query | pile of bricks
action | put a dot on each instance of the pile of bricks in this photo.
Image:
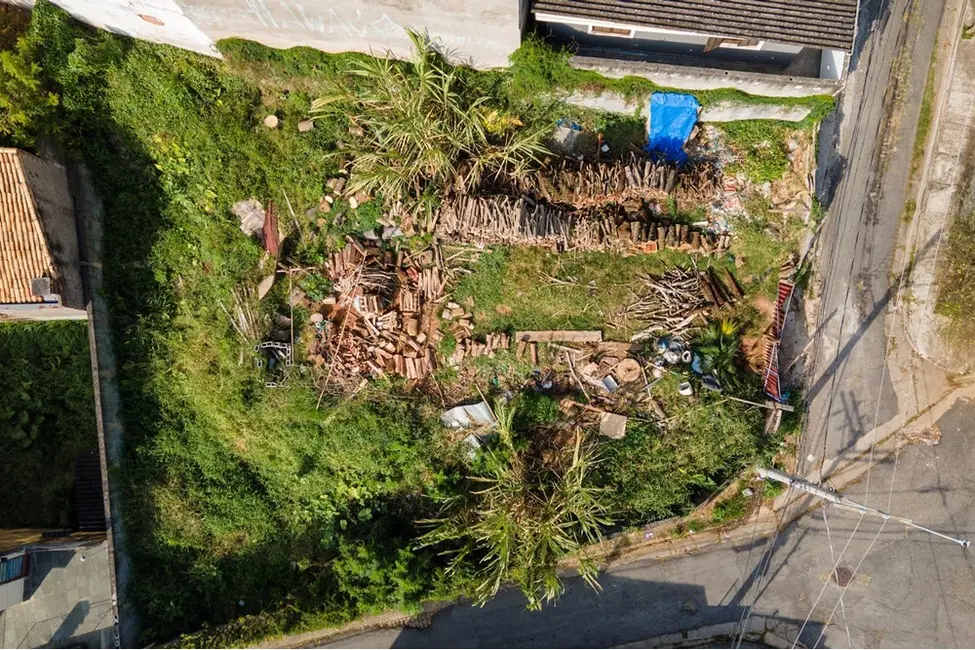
(381, 318)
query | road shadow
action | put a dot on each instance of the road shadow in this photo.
(625, 611)
(878, 310)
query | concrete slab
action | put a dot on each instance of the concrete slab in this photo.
(67, 601)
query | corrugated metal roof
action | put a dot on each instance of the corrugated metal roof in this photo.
(24, 253)
(814, 23)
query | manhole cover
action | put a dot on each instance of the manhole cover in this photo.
(843, 576)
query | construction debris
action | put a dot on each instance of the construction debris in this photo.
(251, 214)
(382, 317)
(471, 415)
(612, 425)
(674, 300)
(566, 336)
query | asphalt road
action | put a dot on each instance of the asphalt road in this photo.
(865, 159)
(912, 590)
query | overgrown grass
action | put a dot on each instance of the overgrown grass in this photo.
(658, 473)
(925, 117)
(47, 417)
(535, 289)
(762, 145)
(956, 298)
(248, 504)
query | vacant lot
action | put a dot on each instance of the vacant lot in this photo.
(298, 506)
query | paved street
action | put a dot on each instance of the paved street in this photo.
(864, 171)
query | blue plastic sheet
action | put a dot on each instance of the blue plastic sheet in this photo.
(672, 117)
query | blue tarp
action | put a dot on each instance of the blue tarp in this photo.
(672, 117)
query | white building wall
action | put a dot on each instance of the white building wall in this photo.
(833, 64)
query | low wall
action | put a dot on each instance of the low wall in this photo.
(729, 111)
(687, 78)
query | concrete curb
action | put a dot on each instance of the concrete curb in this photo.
(936, 198)
(766, 630)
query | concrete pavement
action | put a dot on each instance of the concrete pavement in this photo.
(865, 166)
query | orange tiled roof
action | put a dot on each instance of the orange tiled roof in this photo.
(24, 254)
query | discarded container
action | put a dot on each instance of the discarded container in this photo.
(470, 415)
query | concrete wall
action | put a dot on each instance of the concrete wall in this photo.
(833, 64)
(684, 78)
(483, 32)
(479, 32)
(48, 184)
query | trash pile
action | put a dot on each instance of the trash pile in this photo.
(381, 315)
(673, 301)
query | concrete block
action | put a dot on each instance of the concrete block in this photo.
(773, 640)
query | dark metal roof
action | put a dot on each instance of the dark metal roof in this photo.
(815, 23)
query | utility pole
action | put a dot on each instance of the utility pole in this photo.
(843, 502)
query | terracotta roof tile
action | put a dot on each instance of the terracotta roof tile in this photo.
(24, 252)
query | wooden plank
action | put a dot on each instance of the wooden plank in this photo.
(565, 336)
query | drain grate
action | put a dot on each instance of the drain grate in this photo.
(843, 576)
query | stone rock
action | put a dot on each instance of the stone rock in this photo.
(265, 285)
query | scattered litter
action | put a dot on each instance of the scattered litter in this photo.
(264, 286)
(628, 370)
(471, 415)
(612, 425)
(251, 214)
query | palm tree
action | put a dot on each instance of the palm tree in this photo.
(523, 519)
(718, 345)
(413, 126)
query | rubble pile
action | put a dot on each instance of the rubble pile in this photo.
(381, 317)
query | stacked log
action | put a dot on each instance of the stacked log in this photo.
(525, 222)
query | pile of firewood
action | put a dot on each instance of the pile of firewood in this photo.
(584, 183)
(674, 300)
(504, 220)
(381, 318)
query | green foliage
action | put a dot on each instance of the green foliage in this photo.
(956, 298)
(536, 289)
(536, 69)
(657, 473)
(47, 417)
(316, 286)
(761, 144)
(417, 127)
(25, 103)
(719, 346)
(730, 509)
(522, 518)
